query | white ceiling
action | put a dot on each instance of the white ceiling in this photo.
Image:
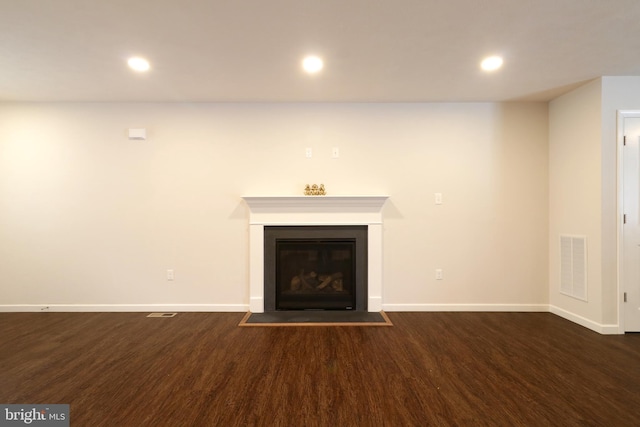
(250, 50)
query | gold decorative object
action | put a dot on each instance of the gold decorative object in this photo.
(314, 190)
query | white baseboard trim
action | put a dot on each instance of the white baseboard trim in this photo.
(589, 324)
(582, 321)
(467, 307)
(125, 308)
(603, 329)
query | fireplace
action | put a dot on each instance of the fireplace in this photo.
(315, 268)
(266, 212)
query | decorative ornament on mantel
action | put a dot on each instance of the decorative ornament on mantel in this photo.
(314, 190)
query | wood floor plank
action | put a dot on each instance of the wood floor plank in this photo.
(440, 369)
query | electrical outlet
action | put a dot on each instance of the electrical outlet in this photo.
(439, 274)
(170, 275)
(308, 152)
(438, 198)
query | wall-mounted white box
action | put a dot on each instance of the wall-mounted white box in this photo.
(138, 134)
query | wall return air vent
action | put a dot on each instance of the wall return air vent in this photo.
(573, 266)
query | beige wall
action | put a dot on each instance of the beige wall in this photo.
(92, 220)
(575, 193)
(583, 196)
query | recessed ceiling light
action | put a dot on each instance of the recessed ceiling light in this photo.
(312, 64)
(138, 64)
(491, 63)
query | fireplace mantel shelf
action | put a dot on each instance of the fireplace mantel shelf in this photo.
(270, 202)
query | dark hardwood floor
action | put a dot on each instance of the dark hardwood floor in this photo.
(201, 369)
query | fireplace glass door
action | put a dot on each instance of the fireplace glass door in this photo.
(315, 274)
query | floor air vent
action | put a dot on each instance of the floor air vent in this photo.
(573, 266)
(162, 314)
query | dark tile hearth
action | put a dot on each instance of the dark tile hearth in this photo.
(315, 316)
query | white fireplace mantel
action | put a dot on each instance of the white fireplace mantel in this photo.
(314, 210)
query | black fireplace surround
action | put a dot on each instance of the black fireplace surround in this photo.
(315, 268)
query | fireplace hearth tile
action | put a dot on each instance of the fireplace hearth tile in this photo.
(316, 318)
